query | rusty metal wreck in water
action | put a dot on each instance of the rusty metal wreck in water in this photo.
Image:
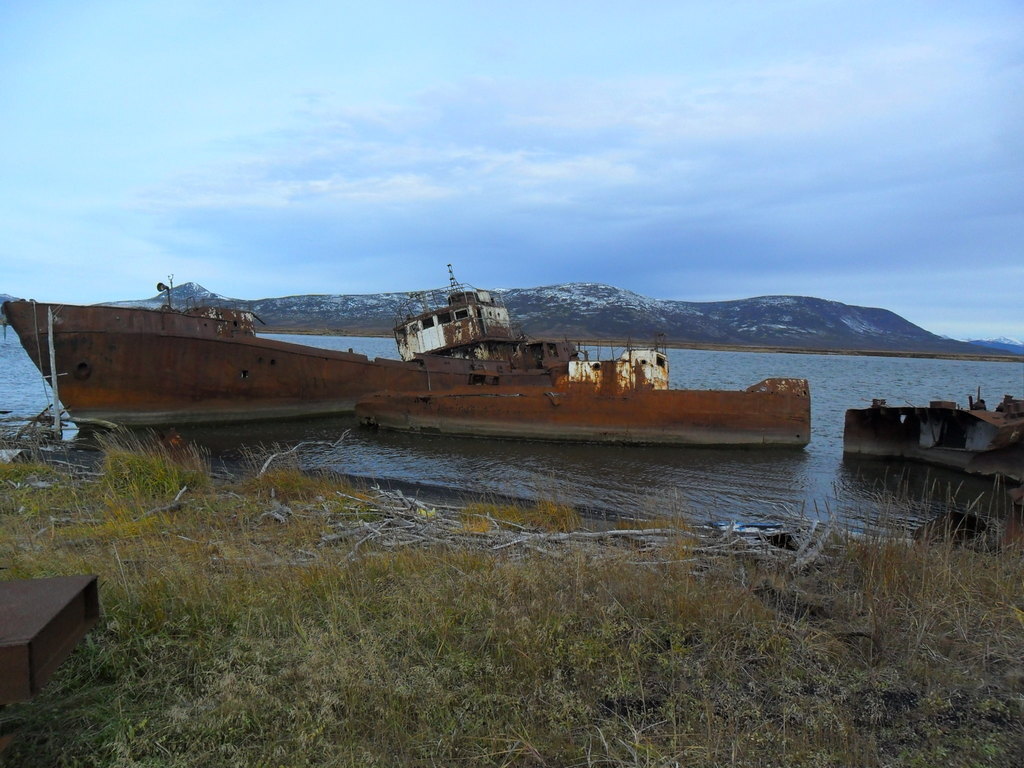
(465, 368)
(973, 439)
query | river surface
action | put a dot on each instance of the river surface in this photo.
(702, 484)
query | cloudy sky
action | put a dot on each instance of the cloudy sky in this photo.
(862, 151)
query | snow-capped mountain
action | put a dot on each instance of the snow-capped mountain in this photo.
(785, 321)
(357, 313)
(1003, 343)
(580, 311)
(597, 311)
(184, 295)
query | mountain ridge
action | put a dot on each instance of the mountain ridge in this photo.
(600, 311)
(587, 310)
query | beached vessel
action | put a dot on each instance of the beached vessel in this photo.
(972, 439)
(464, 368)
(624, 400)
(130, 366)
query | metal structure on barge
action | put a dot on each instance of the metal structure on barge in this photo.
(467, 323)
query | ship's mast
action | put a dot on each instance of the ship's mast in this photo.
(58, 431)
(168, 288)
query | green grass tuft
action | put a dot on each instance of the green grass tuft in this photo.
(142, 468)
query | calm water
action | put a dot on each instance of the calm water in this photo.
(704, 483)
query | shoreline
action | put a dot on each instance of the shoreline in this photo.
(379, 629)
(706, 346)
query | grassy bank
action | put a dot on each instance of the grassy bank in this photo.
(261, 622)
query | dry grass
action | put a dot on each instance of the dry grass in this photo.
(229, 638)
(544, 516)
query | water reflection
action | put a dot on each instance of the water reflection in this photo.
(700, 484)
(873, 492)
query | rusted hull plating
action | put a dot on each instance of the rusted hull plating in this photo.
(977, 442)
(147, 367)
(773, 412)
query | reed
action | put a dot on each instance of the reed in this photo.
(142, 467)
(230, 637)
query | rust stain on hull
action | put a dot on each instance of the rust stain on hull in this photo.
(774, 412)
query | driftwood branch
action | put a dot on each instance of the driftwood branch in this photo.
(399, 521)
(280, 454)
(172, 507)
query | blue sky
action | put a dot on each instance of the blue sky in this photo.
(866, 152)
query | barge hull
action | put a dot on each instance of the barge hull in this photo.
(775, 412)
(967, 441)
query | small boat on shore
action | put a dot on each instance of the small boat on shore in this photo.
(972, 439)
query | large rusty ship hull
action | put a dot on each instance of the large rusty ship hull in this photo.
(145, 367)
(775, 412)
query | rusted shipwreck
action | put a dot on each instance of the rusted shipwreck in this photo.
(172, 366)
(464, 368)
(625, 400)
(621, 400)
(972, 439)
(613, 409)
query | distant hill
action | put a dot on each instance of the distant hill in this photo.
(1003, 344)
(581, 311)
(360, 314)
(778, 321)
(184, 295)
